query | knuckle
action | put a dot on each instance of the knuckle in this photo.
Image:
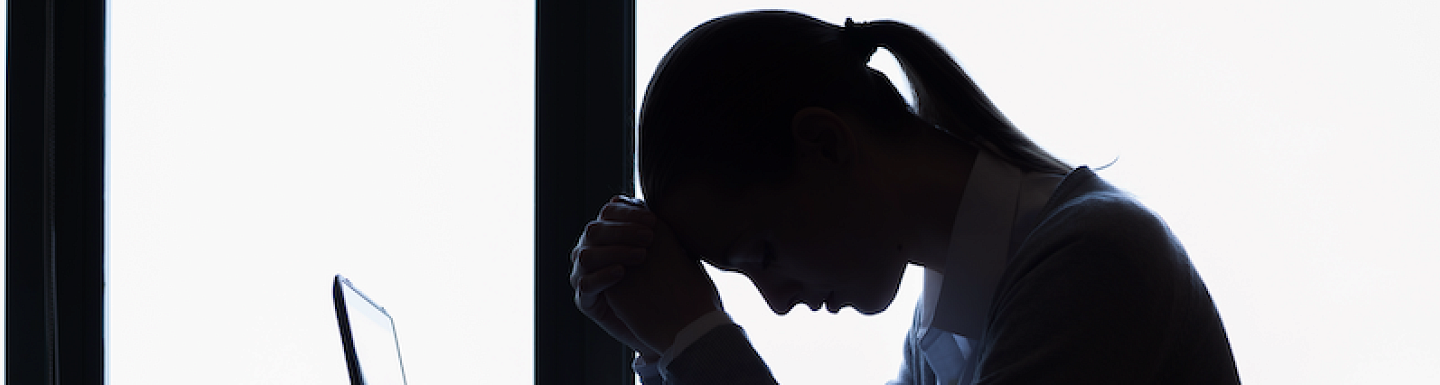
(625, 210)
(598, 258)
(580, 303)
(611, 209)
(580, 284)
(585, 256)
(587, 286)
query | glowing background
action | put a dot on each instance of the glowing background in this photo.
(258, 148)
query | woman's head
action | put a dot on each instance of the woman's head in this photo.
(721, 102)
(719, 149)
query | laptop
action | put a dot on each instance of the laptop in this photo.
(372, 349)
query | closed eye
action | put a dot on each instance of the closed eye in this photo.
(767, 255)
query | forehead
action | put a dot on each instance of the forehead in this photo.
(709, 221)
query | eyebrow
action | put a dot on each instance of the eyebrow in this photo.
(696, 256)
(724, 260)
(721, 261)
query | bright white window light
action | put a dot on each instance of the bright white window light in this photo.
(258, 148)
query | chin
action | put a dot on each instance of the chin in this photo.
(873, 308)
(870, 311)
(878, 304)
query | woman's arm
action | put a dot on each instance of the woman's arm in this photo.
(632, 277)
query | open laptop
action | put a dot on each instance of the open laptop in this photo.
(372, 349)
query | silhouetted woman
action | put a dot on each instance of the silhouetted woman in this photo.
(768, 147)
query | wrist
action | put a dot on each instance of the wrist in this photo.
(660, 337)
(692, 332)
(649, 357)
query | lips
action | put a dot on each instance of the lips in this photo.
(815, 305)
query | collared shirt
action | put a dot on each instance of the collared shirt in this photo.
(998, 209)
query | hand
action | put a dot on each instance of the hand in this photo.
(615, 240)
(664, 294)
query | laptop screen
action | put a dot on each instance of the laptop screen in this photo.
(372, 349)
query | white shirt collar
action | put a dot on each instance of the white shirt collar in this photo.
(998, 208)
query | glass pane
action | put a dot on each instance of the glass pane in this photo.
(1281, 144)
(259, 148)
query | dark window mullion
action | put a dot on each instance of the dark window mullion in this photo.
(584, 112)
(55, 185)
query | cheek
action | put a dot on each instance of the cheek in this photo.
(841, 260)
(836, 248)
(865, 281)
(850, 240)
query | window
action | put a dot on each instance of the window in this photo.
(1286, 143)
(257, 149)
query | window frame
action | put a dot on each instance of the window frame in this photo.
(584, 143)
(55, 192)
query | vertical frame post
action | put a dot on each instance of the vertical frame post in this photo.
(584, 135)
(55, 192)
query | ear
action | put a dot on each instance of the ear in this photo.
(822, 135)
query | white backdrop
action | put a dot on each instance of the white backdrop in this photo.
(1289, 144)
(260, 147)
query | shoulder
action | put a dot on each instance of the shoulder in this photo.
(1089, 219)
(1101, 253)
(1100, 289)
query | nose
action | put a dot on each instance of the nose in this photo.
(781, 295)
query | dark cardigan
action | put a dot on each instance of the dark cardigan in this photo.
(1099, 292)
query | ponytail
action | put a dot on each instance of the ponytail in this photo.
(946, 97)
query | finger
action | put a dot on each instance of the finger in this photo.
(622, 198)
(618, 200)
(627, 212)
(593, 260)
(602, 233)
(598, 257)
(590, 286)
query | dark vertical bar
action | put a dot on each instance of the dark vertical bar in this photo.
(55, 185)
(584, 112)
(27, 357)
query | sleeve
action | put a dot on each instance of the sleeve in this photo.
(648, 372)
(709, 345)
(1106, 296)
(722, 356)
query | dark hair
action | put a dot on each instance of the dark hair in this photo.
(721, 101)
